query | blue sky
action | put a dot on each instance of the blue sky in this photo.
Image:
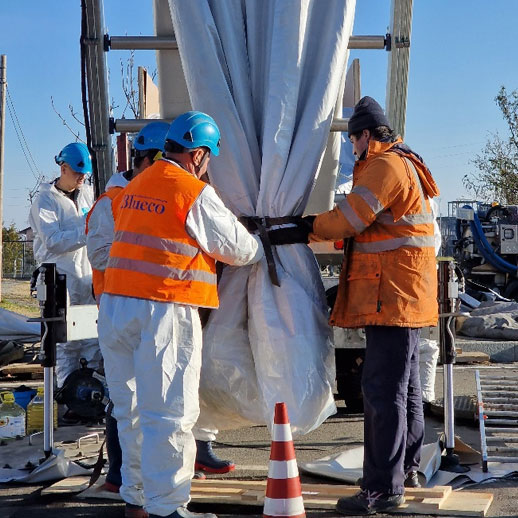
(461, 53)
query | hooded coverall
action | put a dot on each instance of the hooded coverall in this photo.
(388, 284)
(59, 237)
(151, 337)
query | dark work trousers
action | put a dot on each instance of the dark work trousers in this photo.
(393, 407)
(113, 448)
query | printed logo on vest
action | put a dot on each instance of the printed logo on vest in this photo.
(143, 203)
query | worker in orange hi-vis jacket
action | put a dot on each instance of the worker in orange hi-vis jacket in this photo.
(388, 284)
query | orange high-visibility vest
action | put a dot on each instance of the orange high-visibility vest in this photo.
(98, 275)
(152, 256)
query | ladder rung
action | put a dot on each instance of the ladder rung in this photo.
(501, 449)
(501, 459)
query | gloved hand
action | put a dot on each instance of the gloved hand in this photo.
(308, 220)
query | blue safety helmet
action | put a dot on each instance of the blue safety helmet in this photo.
(77, 156)
(151, 136)
(195, 129)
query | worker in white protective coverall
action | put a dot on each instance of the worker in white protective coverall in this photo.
(170, 228)
(148, 146)
(57, 217)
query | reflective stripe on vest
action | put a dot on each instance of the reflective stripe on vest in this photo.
(393, 244)
(162, 270)
(385, 218)
(158, 243)
(152, 256)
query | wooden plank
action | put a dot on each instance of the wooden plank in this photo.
(471, 357)
(32, 370)
(67, 485)
(440, 500)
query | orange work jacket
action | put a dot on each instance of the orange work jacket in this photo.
(152, 256)
(98, 275)
(389, 277)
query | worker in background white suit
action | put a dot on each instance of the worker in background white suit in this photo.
(57, 218)
(169, 229)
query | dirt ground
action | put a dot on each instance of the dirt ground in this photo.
(16, 297)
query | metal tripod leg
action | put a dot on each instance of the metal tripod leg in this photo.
(48, 411)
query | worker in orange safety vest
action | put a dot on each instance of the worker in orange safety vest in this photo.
(170, 228)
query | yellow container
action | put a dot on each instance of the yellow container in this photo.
(35, 413)
(12, 417)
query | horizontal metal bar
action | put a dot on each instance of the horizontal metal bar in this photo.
(164, 43)
(501, 449)
(502, 438)
(509, 385)
(500, 393)
(501, 459)
(484, 377)
(140, 43)
(500, 413)
(491, 420)
(497, 429)
(502, 406)
(367, 42)
(135, 125)
(339, 124)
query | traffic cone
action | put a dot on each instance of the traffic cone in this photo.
(283, 492)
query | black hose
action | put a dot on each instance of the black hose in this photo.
(95, 172)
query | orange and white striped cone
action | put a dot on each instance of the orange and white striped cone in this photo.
(283, 492)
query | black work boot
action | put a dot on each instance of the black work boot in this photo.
(367, 502)
(207, 460)
(412, 480)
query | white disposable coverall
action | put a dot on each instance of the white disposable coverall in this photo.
(100, 227)
(98, 243)
(152, 355)
(59, 237)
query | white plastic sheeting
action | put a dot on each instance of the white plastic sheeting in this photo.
(269, 73)
(14, 326)
(428, 356)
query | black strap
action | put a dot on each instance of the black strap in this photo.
(98, 466)
(282, 236)
(268, 252)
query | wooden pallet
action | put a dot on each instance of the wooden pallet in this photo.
(471, 357)
(22, 370)
(440, 500)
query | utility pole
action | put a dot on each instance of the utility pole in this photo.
(3, 87)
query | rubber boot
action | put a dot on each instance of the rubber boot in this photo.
(207, 460)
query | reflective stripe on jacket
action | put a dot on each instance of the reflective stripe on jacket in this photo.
(98, 275)
(389, 278)
(152, 255)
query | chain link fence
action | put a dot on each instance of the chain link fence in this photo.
(17, 259)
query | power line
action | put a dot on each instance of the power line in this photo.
(21, 136)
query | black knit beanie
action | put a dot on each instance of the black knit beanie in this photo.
(367, 114)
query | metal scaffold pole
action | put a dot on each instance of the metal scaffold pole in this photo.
(3, 88)
(95, 70)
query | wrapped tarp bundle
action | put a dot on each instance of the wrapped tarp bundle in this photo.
(270, 74)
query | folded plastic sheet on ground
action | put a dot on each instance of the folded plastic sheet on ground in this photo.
(55, 467)
(14, 326)
(348, 465)
(271, 82)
